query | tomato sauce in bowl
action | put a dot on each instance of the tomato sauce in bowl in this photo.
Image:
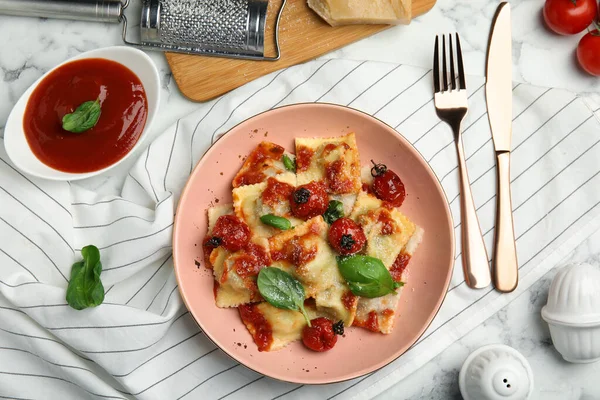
(124, 110)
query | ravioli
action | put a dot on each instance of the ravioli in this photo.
(390, 236)
(305, 253)
(215, 212)
(250, 202)
(263, 186)
(378, 314)
(335, 161)
(264, 161)
(274, 328)
(235, 273)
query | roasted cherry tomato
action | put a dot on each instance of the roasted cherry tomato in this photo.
(320, 335)
(230, 232)
(568, 17)
(387, 186)
(588, 52)
(346, 236)
(309, 200)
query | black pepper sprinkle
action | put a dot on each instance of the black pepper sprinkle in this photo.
(347, 242)
(301, 195)
(197, 263)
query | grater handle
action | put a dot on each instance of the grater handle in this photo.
(79, 10)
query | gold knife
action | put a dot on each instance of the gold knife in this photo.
(498, 93)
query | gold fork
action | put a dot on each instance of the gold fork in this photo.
(451, 107)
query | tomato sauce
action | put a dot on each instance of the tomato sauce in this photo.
(349, 300)
(253, 259)
(309, 200)
(276, 192)
(334, 177)
(399, 266)
(124, 110)
(303, 157)
(216, 286)
(263, 332)
(257, 162)
(371, 323)
(387, 223)
(297, 251)
(232, 232)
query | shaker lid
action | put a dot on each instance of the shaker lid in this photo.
(574, 296)
(496, 372)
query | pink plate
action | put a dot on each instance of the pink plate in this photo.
(361, 351)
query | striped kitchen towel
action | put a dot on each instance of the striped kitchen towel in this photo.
(142, 343)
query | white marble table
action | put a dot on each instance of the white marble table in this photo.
(29, 47)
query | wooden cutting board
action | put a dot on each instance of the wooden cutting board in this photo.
(303, 36)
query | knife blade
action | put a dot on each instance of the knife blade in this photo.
(498, 92)
(498, 87)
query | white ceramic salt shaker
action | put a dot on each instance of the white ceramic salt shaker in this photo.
(573, 313)
(495, 372)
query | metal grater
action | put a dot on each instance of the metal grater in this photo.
(225, 28)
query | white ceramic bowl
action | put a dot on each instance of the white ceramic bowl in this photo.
(15, 141)
(573, 313)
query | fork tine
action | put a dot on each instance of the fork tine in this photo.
(461, 70)
(452, 75)
(444, 69)
(436, 66)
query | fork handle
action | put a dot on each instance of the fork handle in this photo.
(474, 254)
(504, 265)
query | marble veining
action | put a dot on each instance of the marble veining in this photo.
(518, 325)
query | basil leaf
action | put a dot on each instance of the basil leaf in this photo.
(288, 163)
(275, 221)
(83, 118)
(282, 290)
(366, 276)
(85, 287)
(335, 211)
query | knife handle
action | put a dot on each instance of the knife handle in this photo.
(505, 267)
(474, 255)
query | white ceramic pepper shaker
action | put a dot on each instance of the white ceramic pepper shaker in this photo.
(573, 313)
(496, 372)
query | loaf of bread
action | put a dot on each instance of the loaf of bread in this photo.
(346, 12)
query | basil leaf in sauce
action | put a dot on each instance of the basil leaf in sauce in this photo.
(282, 290)
(85, 287)
(278, 222)
(335, 211)
(83, 118)
(288, 163)
(366, 276)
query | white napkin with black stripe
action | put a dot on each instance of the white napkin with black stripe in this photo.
(142, 343)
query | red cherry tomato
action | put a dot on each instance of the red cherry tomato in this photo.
(568, 17)
(388, 186)
(230, 232)
(346, 236)
(309, 200)
(588, 52)
(319, 336)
